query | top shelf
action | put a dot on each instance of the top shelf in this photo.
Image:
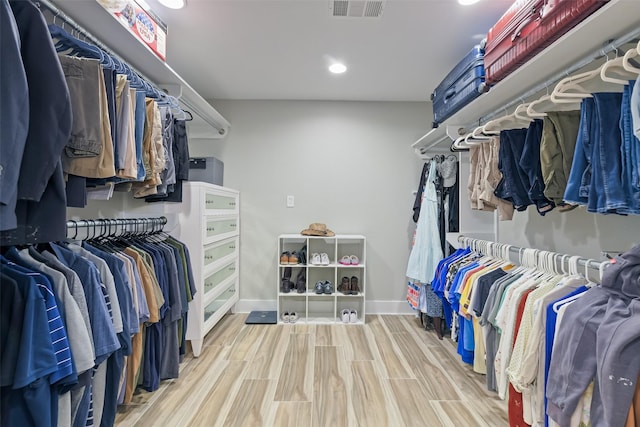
(612, 21)
(337, 236)
(207, 123)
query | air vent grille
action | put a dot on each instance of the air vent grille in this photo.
(356, 8)
(340, 8)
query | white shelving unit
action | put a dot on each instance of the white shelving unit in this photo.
(322, 308)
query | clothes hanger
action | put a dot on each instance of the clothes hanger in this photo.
(469, 140)
(455, 145)
(616, 65)
(520, 112)
(626, 62)
(70, 45)
(563, 90)
(531, 112)
(478, 135)
(510, 121)
(603, 267)
(581, 85)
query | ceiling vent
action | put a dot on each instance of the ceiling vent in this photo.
(356, 8)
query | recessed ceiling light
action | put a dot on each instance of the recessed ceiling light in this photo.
(337, 68)
(172, 4)
(467, 2)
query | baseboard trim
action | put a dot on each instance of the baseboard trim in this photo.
(373, 307)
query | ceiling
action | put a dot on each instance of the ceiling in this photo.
(280, 49)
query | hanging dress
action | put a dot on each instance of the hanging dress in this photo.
(426, 251)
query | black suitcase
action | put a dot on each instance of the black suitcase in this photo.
(461, 86)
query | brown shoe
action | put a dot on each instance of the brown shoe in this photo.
(344, 286)
(284, 258)
(354, 289)
(293, 258)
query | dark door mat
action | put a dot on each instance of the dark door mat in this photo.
(262, 318)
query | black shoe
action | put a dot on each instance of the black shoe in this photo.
(327, 287)
(287, 285)
(301, 281)
(302, 255)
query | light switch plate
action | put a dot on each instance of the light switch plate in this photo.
(290, 201)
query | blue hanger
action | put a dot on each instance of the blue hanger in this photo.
(75, 47)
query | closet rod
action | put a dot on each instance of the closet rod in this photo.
(610, 46)
(495, 248)
(68, 20)
(104, 224)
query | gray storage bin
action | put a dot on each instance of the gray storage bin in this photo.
(206, 169)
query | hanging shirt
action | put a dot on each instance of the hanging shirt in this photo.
(426, 251)
(77, 333)
(14, 105)
(65, 372)
(29, 351)
(41, 206)
(104, 336)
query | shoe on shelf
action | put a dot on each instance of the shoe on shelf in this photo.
(301, 281)
(284, 258)
(345, 315)
(293, 317)
(287, 284)
(345, 260)
(285, 317)
(353, 316)
(316, 259)
(327, 287)
(324, 259)
(354, 288)
(344, 286)
(319, 288)
(293, 258)
(302, 255)
(354, 260)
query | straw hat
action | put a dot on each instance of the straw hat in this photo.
(317, 229)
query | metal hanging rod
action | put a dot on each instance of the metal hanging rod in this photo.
(564, 261)
(102, 226)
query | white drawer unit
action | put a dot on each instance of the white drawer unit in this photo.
(209, 225)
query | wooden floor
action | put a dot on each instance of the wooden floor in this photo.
(389, 372)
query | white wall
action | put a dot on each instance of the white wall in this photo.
(575, 233)
(348, 164)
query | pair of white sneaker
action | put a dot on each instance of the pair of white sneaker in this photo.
(320, 258)
(349, 316)
(290, 317)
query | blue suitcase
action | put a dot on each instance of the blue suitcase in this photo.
(461, 86)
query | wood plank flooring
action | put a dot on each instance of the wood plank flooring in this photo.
(389, 372)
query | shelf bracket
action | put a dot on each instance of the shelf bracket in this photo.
(174, 90)
(455, 131)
